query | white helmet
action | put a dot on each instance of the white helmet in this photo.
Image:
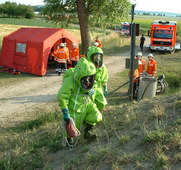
(62, 45)
(150, 55)
(139, 54)
(74, 44)
(95, 44)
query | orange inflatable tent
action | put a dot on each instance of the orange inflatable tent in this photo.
(28, 49)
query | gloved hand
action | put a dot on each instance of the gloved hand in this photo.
(66, 115)
(105, 91)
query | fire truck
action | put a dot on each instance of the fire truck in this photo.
(163, 36)
(125, 28)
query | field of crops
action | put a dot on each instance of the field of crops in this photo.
(145, 22)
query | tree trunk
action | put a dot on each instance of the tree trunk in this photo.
(83, 22)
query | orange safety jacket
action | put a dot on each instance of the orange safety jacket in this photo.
(100, 44)
(74, 54)
(135, 75)
(62, 56)
(141, 66)
(151, 68)
(55, 53)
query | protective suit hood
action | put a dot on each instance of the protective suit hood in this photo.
(92, 50)
(84, 68)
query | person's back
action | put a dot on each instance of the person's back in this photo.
(142, 41)
(62, 56)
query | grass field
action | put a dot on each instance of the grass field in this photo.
(145, 22)
(132, 135)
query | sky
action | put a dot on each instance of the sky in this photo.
(26, 2)
(172, 6)
(146, 5)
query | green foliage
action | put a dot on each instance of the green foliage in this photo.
(11, 9)
(100, 13)
(33, 22)
(60, 11)
(114, 43)
(123, 139)
(26, 146)
(103, 14)
(155, 136)
(169, 65)
(174, 80)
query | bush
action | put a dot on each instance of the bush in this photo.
(174, 80)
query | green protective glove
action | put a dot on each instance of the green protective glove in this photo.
(66, 115)
(105, 91)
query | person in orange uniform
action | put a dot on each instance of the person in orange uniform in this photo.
(69, 63)
(141, 64)
(152, 66)
(74, 54)
(99, 42)
(62, 58)
(135, 81)
(55, 52)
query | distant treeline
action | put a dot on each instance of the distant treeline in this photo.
(157, 14)
(12, 9)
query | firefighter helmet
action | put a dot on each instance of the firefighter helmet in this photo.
(150, 55)
(62, 45)
(139, 54)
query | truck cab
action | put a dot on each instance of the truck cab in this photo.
(163, 36)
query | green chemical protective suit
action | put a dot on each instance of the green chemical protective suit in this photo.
(101, 76)
(74, 98)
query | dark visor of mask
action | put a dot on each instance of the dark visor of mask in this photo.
(97, 59)
(87, 82)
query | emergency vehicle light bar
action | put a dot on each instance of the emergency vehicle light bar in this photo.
(165, 22)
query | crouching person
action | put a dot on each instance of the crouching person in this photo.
(76, 98)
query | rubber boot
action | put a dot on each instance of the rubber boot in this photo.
(70, 142)
(87, 133)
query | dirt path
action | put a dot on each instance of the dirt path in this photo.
(17, 101)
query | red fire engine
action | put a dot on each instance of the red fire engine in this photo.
(163, 36)
(125, 28)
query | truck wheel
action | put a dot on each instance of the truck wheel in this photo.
(152, 50)
(173, 51)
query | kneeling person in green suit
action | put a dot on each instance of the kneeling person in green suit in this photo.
(76, 97)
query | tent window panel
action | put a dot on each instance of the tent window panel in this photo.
(21, 48)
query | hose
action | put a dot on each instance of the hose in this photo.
(117, 88)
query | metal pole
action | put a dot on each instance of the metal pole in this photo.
(132, 55)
